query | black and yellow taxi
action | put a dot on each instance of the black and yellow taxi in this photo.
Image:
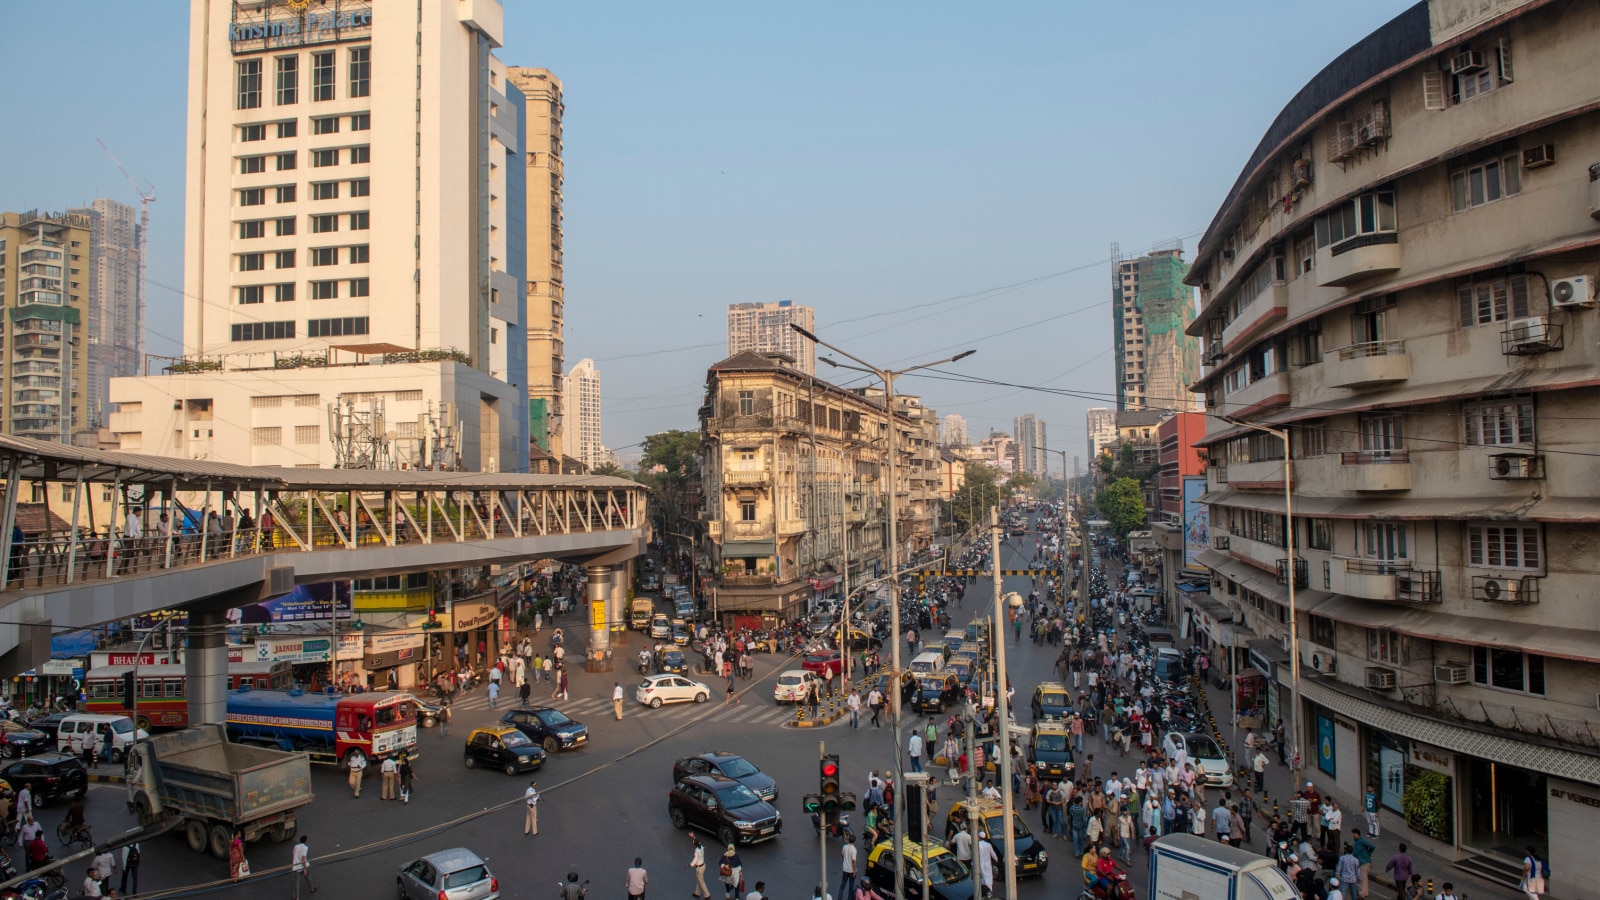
(1050, 750)
(502, 747)
(948, 877)
(935, 691)
(1031, 856)
(1051, 700)
(671, 661)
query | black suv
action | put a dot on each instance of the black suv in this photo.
(728, 765)
(48, 776)
(548, 727)
(723, 807)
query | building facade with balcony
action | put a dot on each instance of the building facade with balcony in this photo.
(46, 264)
(1403, 279)
(794, 473)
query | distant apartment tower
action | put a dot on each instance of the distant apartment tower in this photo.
(1102, 427)
(953, 430)
(764, 328)
(580, 434)
(1156, 360)
(115, 313)
(1031, 457)
(541, 129)
(44, 287)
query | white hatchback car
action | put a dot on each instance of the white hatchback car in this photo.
(793, 684)
(660, 627)
(668, 688)
(1203, 753)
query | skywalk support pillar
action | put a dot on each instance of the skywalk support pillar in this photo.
(617, 607)
(600, 590)
(206, 668)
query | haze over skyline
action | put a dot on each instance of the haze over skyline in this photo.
(927, 179)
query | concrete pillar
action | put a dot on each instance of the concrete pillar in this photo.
(617, 609)
(600, 585)
(206, 668)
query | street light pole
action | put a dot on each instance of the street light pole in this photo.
(1063, 591)
(887, 376)
(1002, 706)
(1296, 763)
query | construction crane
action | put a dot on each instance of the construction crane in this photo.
(146, 197)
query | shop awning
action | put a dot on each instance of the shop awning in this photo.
(1548, 640)
(1266, 654)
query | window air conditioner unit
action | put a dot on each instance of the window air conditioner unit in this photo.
(1538, 156)
(1452, 673)
(1566, 293)
(1380, 679)
(1525, 331)
(1470, 61)
(1514, 467)
(1325, 663)
(1302, 173)
(1498, 590)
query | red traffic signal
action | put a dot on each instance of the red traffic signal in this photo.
(829, 769)
(830, 777)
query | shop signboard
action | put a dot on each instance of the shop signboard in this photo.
(72, 668)
(1327, 755)
(470, 614)
(297, 650)
(350, 646)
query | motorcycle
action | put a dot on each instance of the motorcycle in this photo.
(1284, 851)
(1119, 889)
(838, 829)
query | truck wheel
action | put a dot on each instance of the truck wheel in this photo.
(194, 831)
(141, 809)
(221, 836)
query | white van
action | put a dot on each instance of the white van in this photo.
(78, 731)
(927, 663)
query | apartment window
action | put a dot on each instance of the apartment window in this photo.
(253, 229)
(1382, 432)
(266, 437)
(287, 161)
(283, 293)
(360, 187)
(747, 510)
(325, 190)
(1367, 214)
(322, 76)
(360, 71)
(358, 221)
(285, 226)
(1311, 440)
(360, 154)
(324, 256)
(1508, 670)
(321, 159)
(1319, 534)
(287, 193)
(324, 224)
(249, 92)
(248, 133)
(1385, 646)
(324, 290)
(312, 434)
(1485, 183)
(253, 293)
(251, 165)
(361, 122)
(1385, 540)
(747, 403)
(252, 262)
(359, 254)
(263, 331)
(1503, 546)
(1305, 255)
(1323, 630)
(336, 327)
(252, 197)
(1493, 300)
(359, 287)
(1499, 423)
(289, 129)
(325, 125)
(288, 80)
(1257, 525)
(284, 259)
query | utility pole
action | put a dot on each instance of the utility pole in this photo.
(1002, 710)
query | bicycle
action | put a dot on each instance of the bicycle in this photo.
(69, 834)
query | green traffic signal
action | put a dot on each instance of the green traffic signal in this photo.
(812, 803)
(847, 801)
(830, 803)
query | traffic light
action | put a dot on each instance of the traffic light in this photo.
(127, 690)
(830, 782)
(847, 801)
(812, 802)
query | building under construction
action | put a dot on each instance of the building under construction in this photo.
(1156, 360)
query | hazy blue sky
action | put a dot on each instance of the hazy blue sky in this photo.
(858, 157)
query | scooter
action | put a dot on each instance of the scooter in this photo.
(838, 829)
(1119, 889)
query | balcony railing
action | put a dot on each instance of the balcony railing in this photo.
(746, 476)
(1388, 580)
(1301, 572)
(1374, 457)
(1369, 363)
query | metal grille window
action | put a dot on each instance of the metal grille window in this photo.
(1385, 646)
(336, 327)
(262, 331)
(322, 76)
(1503, 546)
(360, 71)
(249, 88)
(1499, 423)
(311, 434)
(266, 437)
(288, 80)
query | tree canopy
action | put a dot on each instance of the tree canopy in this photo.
(1122, 503)
(677, 454)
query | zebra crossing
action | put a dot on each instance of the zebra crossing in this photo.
(754, 708)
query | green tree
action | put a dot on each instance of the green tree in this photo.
(980, 489)
(670, 459)
(612, 470)
(1122, 503)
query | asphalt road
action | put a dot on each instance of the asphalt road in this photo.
(602, 805)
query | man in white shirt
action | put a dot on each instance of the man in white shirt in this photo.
(847, 869)
(987, 860)
(530, 825)
(389, 770)
(914, 750)
(697, 863)
(358, 767)
(961, 844)
(616, 699)
(853, 702)
(300, 864)
(990, 792)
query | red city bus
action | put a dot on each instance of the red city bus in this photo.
(163, 693)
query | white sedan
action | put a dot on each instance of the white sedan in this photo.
(793, 684)
(668, 688)
(1201, 752)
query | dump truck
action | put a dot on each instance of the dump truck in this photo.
(216, 787)
(1184, 866)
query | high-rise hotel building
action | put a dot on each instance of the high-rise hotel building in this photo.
(354, 235)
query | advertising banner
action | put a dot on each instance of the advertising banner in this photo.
(297, 650)
(306, 603)
(1196, 521)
